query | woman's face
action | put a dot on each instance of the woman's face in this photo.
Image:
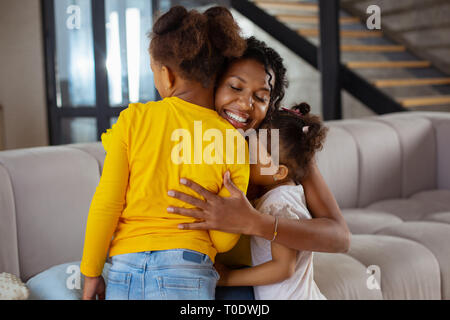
(243, 94)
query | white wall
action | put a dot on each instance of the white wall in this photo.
(22, 77)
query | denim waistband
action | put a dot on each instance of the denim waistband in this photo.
(163, 259)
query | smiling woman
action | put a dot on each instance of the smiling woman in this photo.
(252, 87)
(243, 94)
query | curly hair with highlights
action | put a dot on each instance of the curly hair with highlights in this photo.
(272, 61)
(301, 135)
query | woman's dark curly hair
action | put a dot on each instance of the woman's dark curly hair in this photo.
(301, 135)
(196, 45)
(272, 61)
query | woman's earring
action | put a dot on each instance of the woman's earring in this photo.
(275, 178)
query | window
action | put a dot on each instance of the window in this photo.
(97, 63)
(127, 60)
(75, 77)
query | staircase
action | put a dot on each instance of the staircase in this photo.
(406, 61)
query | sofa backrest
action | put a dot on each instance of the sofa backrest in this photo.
(385, 157)
(441, 126)
(45, 195)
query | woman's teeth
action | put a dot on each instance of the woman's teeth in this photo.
(236, 117)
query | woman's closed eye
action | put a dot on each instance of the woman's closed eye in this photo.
(261, 99)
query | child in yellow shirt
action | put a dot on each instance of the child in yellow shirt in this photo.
(151, 147)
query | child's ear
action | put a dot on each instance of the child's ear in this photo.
(168, 80)
(282, 173)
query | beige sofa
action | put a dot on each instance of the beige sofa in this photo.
(390, 175)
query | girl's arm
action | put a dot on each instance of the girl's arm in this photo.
(280, 268)
(327, 232)
(108, 201)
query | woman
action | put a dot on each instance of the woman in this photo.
(248, 92)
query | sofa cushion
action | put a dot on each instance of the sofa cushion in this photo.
(418, 151)
(435, 237)
(338, 163)
(341, 277)
(379, 153)
(408, 269)
(407, 209)
(61, 282)
(439, 217)
(435, 197)
(441, 124)
(363, 221)
(442, 129)
(94, 149)
(9, 254)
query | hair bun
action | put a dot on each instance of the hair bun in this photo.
(303, 108)
(196, 45)
(224, 32)
(170, 21)
(218, 11)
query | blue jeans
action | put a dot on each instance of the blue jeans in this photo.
(235, 293)
(177, 274)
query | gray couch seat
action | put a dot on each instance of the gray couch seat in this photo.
(397, 168)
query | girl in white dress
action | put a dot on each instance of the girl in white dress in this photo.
(278, 272)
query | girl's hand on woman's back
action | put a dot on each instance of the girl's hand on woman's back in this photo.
(234, 214)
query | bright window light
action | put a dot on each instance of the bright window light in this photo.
(133, 29)
(113, 60)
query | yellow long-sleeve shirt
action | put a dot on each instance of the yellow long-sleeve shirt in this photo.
(151, 147)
